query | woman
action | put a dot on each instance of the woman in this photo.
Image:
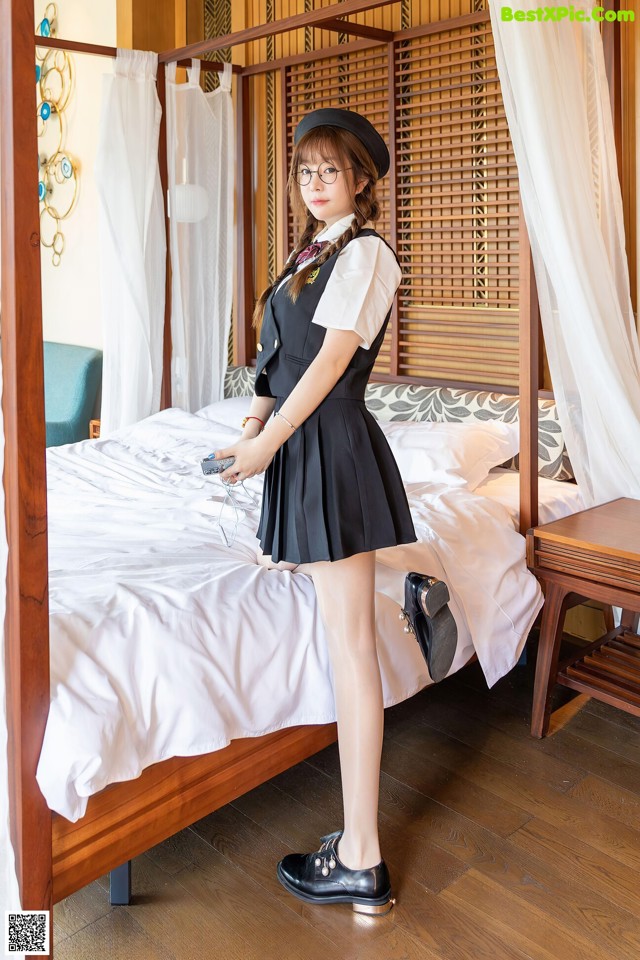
(332, 490)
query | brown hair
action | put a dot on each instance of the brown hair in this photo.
(343, 147)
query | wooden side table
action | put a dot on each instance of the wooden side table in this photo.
(592, 555)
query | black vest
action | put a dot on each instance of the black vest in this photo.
(289, 341)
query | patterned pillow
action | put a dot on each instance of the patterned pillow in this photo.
(239, 381)
(410, 401)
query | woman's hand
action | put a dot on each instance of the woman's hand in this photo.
(252, 456)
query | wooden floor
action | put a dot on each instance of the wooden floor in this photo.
(500, 848)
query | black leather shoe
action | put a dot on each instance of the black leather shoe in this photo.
(331, 836)
(431, 621)
(322, 878)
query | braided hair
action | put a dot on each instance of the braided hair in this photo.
(343, 147)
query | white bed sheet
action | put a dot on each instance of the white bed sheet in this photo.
(165, 642)
(556, 498)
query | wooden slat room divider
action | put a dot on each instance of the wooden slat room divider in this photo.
(457, 211)
(450, 202)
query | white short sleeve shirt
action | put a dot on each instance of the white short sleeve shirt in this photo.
(361, 287)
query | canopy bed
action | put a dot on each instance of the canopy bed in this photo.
(54, 856)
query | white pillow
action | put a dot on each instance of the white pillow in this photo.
(229, 412)
(457, 454)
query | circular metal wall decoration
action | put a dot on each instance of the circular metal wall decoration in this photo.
(58, 182)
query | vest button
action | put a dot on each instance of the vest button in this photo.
(275, 343)
(260, 347)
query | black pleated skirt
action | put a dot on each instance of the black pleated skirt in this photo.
(333, 489)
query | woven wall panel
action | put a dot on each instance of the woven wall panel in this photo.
(217, 23)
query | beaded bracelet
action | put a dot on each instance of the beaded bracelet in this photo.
(246, 420)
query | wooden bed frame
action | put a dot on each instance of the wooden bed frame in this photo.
(53, 856)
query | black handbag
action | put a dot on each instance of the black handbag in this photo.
(431, 621)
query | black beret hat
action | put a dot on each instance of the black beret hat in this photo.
(348, 120)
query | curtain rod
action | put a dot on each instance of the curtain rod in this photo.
(100, 51)
(313, 18)
(94, 48)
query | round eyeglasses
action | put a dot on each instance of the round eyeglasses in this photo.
(326, 172)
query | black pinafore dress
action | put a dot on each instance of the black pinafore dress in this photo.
(333, 489)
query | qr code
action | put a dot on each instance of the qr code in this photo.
(27, 932)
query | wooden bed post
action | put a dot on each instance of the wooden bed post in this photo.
(528, 412)
(243, 338)
(27, 615)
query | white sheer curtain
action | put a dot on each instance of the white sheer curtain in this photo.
(132, 241)
(556, 99)
(200, 148)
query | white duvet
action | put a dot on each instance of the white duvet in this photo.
(165, 642)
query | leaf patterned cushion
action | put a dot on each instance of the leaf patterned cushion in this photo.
(410, 401)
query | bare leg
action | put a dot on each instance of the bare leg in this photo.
(265, 561)
(345, 591)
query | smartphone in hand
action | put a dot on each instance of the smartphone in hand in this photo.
(211, 465)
